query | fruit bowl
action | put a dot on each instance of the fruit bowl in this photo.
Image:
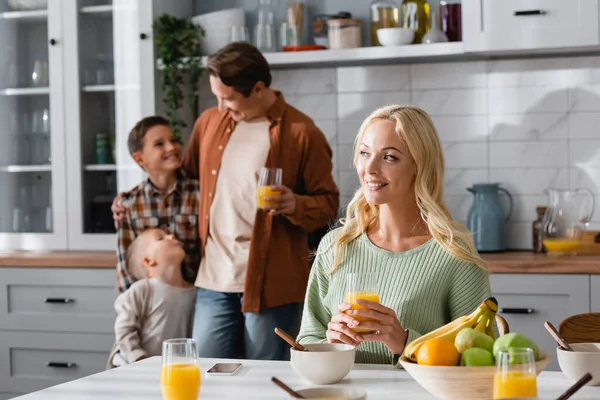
(460, 383)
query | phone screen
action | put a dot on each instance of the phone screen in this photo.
(224, 368)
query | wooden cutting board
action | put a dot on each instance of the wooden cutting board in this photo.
(587, 245)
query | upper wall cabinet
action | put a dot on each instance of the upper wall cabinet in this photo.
(513, 25)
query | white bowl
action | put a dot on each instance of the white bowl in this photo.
(324, 363)
(584, 358)
(395, 36)
(217, 28)
(333, 394)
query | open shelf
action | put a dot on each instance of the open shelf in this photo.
(33, 15)
(108, 167)
(364, 55)
(26, 168)
(35, 91)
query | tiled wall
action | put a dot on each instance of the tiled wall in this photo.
(527, 124)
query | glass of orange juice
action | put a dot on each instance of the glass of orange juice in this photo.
(180, 376)
(361, 286)
(515, 374)
(268, 177)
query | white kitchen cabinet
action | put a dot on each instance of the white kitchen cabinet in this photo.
(74, 80)
(32, 162)
(56, 325)
(512, 25)
(526, 301)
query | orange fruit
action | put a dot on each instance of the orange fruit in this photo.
(438, 351)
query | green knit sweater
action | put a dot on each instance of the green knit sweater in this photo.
(426, 286)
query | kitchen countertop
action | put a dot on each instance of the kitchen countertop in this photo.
(521, 262)
(142, 381)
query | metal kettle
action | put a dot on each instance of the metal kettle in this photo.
(486, 217)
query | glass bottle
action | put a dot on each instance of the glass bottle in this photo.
(415, 15)
(384, 14)
(538, 247)
(451, 12)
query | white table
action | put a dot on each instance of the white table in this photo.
(142, 381)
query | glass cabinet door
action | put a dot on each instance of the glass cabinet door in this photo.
(31, 166)
(107, 68)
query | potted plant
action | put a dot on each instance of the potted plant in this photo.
(178, 45)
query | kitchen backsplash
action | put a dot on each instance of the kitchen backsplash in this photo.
(527, 124)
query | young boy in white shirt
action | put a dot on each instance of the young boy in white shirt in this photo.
(159, 305)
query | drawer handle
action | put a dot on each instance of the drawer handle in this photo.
(59, 300)
(516, 310)
(525, 13)
(55, 364)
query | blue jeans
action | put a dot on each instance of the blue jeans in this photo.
(222, 330)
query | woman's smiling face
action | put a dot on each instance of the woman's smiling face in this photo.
(385, 167)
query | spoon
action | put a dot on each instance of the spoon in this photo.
(576, 386)
(288, 389)
(282, 334)
(559, 339)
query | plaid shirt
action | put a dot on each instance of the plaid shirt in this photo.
(176, 213)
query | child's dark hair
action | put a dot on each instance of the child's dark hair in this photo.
(135, 141)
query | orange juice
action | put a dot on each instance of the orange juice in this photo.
(180, 381)
(514, 384)
(352, 297)
(265, 191)
(561, 245)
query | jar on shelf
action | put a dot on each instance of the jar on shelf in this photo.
(384, 14)
(538, 247)
(319, 25)
(415, 15)
(344, 33)
(451, 11)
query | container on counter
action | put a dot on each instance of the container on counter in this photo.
(451, 11)
(319, 25)
(538, 246)
(384, 14)
(344, 33)
(415, 15)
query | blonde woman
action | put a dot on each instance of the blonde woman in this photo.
(397, 227)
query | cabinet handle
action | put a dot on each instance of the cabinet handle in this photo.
(529, 12)
(516, 310)
(143, 36)
(59, 300)
(52, 42)
(57, 364)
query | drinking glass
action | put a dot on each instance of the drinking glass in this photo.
(39, 75)
(180, 376)
(239, 34)
(515, 374)
(268, 178)
(264, 38)
(361, 286)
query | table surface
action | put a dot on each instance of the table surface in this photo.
(381, 382)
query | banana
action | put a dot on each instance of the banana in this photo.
(479, 319)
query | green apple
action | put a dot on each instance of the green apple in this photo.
(469, 338)
(476, 357)
(515, 340)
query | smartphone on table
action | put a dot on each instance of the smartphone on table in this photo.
(224, 369)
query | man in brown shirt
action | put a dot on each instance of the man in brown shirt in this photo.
(255, 262)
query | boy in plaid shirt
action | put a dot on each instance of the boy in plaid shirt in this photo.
(167, 200)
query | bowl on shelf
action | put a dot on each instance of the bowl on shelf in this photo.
(323, 363)
(584, 358)
(460, 383)
(22, 5)
(217, 28)
(395, 36)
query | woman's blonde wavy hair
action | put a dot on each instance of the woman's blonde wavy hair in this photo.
(416, 129)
